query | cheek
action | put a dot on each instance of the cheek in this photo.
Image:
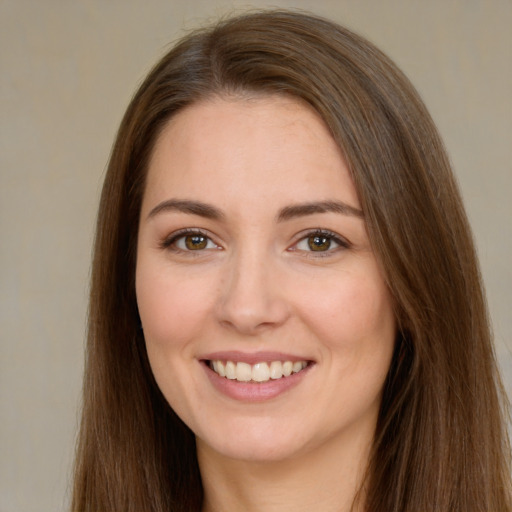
(353, 314)
(172, 305)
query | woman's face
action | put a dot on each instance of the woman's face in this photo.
(254, 261)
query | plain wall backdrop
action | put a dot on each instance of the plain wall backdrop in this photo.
(68, 70)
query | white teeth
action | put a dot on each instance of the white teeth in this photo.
(276, 370)
(230, 370)
(259, 372)
(297, 367)
(243, 372)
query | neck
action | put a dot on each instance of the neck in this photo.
(328, 478)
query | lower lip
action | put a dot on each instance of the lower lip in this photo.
(254, 391)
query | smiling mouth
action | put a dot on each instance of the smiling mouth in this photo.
(259, 372)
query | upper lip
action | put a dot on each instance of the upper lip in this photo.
(252, 358)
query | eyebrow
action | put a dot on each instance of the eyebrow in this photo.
(187, 206)
(287, 213)
(301, 210)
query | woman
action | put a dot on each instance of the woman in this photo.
(286, 309)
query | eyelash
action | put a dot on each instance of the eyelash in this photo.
(169, 242)
(332, 237)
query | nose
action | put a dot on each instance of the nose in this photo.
(252, 298)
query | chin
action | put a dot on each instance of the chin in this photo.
(269, 452)
(258, 444)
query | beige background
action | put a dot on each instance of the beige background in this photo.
(68, 69)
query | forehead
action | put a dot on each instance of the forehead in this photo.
(270, 148)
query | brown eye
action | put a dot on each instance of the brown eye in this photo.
(324, 243)
(188, 241)
(195, 242)
(319, 242)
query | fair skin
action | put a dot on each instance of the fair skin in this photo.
(274, 270)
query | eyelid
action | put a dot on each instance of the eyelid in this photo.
(342, 242)
(170, 240)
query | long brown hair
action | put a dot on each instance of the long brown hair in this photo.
(440, 442)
